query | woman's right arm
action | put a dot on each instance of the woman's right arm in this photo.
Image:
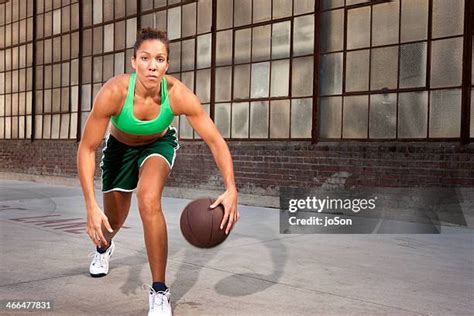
(105, 104)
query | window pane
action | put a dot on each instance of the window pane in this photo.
(188, 79)
(131, 31)
(332, 31)
(108, 10)
(383, 116)
(188, 55)
(86, 97)
(445, 113)
(280, 78)
(413, 65)
(55, 126)
(280, 119)
(302, 77)
(414, 23)
(262, 10)
(412, 114)
(74, 98)
(97, 11)
(261, 43)
(242, 44)
(131, 7)
(223, 83)
(204, 51)
(65, 18)
(385, 23)
(175, 54)
(304, 6)
(384, 68)
(146, 5)
(330, 110)
(75, 71)
(224, 48)
(224, 14)
(241, 82)
(301, 118)
(119, 65)
(446, 62)
(73, 128)
(64, 132)
(281, 40)
(303, 41)
(47, 101)
(75, 17)
(240, 120)
(222, 118)
(108, 38)
(259, 119)
(355, 117)
(448, 18)
(64, 100)
(39, 126)
(65, 75)
(260, 80)
(108, 67)
(203, 85)
(119, 8)
(120, 35)
(358, 28)
(282, 8)
(56, 50)
(97, 46)
(242, 12)
(331, 74)
(204, 16)
(66, 47)
(97, 69)
(56, 100)
(189, 20)
(160, 20)
(357, 70)
(185, 130)
(174, 23)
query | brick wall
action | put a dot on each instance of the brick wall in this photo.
(261, 168)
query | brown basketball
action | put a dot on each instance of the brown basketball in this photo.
(200, 225)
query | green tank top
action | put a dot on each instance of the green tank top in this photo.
(128, 123)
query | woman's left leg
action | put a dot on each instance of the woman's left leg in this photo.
(153, 175)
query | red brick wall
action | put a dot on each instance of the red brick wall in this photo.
(261, 168)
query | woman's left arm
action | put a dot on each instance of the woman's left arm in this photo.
(185, 102)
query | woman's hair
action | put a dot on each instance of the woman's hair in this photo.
(149, 33)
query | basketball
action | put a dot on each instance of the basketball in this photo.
(200, 225)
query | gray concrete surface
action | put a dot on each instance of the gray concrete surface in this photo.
(257, 271)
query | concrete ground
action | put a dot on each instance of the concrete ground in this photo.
(257, 271)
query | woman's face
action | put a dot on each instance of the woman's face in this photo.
(151, 62)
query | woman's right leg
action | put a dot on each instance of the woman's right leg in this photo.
(116, 207)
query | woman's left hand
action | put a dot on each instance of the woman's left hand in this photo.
(231, 215)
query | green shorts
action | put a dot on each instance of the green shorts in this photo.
(121, 163)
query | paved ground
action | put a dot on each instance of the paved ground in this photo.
(257, 271)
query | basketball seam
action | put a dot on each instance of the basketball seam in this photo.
(190, 228)
(212, 224)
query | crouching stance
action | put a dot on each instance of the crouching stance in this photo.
(139, 153)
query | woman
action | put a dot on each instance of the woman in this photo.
(139, 154)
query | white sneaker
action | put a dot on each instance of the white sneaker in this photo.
(159, 302)
(100, 262)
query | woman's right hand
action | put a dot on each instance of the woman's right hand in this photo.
(95, 219)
